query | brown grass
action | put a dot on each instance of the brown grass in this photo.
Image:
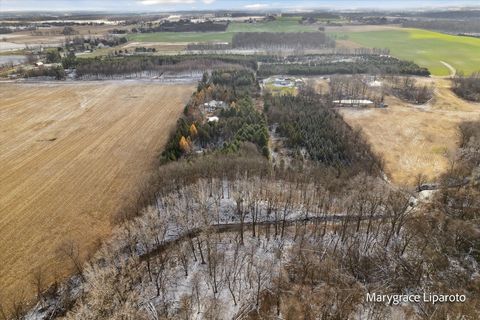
(415, 139)
(26, 37)
(72, 155)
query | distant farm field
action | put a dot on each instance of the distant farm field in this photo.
(279, 25)
(181, 37)
(426, 48)
(71, 156)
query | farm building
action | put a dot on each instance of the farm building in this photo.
(214, 105)
(212, 119)
(353, 103)
(283, 82)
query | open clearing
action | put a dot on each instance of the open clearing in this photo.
(427, 48)
(415, 139)
(71, 156)
(49, 37)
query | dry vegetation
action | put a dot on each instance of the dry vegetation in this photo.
(54, 34)
(415, 139)
(72, 155)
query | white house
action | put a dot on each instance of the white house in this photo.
(353, 103)
(214, 105)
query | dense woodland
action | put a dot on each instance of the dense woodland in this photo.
(240, 122)
(467, 87)
(281, 40)
(308, 122)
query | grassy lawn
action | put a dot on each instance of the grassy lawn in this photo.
(281, 90)
(426, 48)
(289, 24)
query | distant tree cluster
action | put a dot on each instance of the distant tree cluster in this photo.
(144, 49)
(351, 87)
(53, 56)
(68, 31)
(6, 30)
(406, 88)
(281, 40)
(55, 72)
(316, 15)
(118, 31)
(79, 43)
(467, 87)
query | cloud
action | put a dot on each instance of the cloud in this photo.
(154, 2)
(256, 6)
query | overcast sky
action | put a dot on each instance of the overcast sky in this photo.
(173, 5)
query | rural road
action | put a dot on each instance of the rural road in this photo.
(453, 72)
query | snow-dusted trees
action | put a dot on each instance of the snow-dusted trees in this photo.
(199, 251)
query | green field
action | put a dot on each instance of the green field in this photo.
(181, 37)
(280, 25)
(426, 48)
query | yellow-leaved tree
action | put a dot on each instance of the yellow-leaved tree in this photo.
(184, 145)
(193, 131)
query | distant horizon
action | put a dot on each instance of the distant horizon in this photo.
(132, 6)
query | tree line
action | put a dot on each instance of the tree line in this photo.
(371, 64)
(281, 40)
(185, 26)
(112, 66)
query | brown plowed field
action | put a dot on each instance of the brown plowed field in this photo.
(71, 155)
